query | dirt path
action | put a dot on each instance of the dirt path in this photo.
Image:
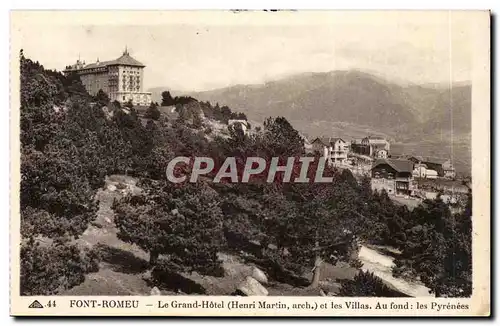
(381, 266)
(120, 272)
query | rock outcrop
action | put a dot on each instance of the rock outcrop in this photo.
(155, 291)
(251, 287)
(259, 275)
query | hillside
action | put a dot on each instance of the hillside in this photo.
(352, 97)
(123, 269)
(352, 104)
(99, 213)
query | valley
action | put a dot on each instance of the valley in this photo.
(354, 104)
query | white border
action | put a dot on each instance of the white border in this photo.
(125, 4)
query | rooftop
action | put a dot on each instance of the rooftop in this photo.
(322, 140)
(124, 60)
(398, 165)
(375, 138)
(327, 140)
(428, 159)
(335, 139)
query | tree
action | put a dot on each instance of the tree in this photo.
(101, 98)
(56, 198)
(184, 223)
(116, 104)
(129, 104)
(61, 169)
(57, 177)
(183, 114)
(281, 138)
(49, 269)
(366, 284)
(313, 224)
(153, 112)
(244, 221)
(197, 120)
(166, 99)
(438, 249)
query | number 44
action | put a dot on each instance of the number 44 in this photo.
(52, 303)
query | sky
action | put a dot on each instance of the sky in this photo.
(189, 52)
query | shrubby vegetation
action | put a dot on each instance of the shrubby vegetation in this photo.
(69, 144)
(438, 249)
(366, 284)
(58, 176)
(187, 106)
(183, 223)
(153, 112)
(46, 270)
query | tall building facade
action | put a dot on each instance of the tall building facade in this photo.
(122, 79)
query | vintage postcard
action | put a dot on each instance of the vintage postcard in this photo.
(250, 163)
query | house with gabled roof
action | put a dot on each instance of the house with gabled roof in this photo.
(334, 149)
(339, 151)
(373, 146)
(393, 176)
(319, 143)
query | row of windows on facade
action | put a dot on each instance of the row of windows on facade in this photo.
(111, 88)
(383, 175)
(129, 86)
(138, 78)
(111, 81)
(131, 74)
(131, 82)
(379, 175)
(124, 98)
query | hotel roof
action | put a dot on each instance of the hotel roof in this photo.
(124, 60)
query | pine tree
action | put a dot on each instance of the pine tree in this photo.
(101, 98)
(183, 223)
(438, 249)
(153, 112)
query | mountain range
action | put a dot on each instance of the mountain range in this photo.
(353, 103)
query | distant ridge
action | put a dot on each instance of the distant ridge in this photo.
(354, 103)
(313, 101)
(350, 96)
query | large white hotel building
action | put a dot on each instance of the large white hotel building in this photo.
(122, 79)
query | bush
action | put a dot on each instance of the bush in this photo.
(101, 98)
(49, 269)
(153, 112)
(116, 104)
(166, 274)
(366, 284)
(129, 104)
